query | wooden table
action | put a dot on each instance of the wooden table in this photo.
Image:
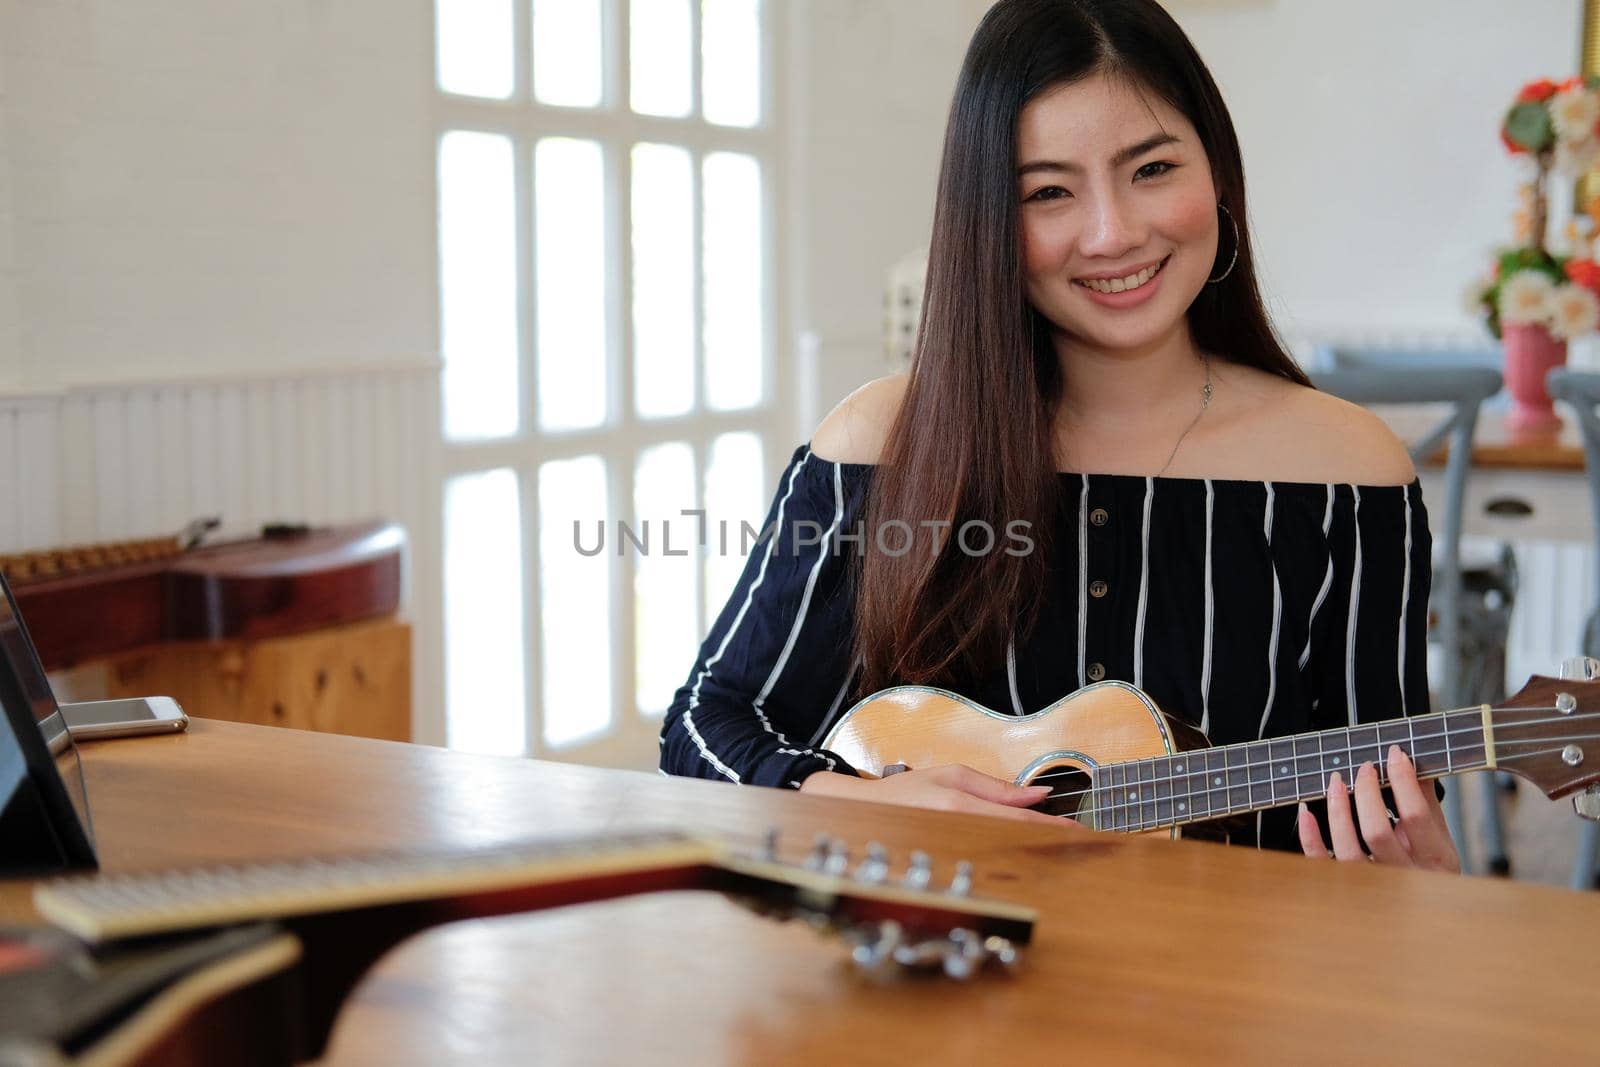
(1147, 950)
(1495, 447)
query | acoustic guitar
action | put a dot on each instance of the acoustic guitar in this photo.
(248, 965)
(1115, 761)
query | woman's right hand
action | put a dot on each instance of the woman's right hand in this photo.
(952, 787)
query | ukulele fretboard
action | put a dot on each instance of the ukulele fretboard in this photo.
(1234, 779)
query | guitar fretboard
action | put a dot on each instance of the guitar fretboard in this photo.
(106, 907)
(1235, 779)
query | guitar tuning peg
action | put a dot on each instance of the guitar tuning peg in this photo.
(769, 845)
(838, 861)
(820, 848)
(1002, 951)
(879, 946)
(920, 873)
(875, 868)
(964, 955)
(961, 884)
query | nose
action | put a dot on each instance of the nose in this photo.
(1111, 229)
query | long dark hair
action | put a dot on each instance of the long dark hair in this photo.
(973, 438)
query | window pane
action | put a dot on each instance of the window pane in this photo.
(567, 65)
(478, 284)
(664, 623)
(484, 696)
(575, 598)
(570, 217)
(475, 47)
(735, 497)
(730, 65)
(734, 257)
(660, 48)
(663, 280)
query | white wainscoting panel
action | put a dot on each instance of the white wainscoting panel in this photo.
(1556, 591)
(115, 462)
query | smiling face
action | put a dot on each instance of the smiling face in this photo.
(1118, 213)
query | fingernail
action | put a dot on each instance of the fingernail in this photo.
(1397, 755)
(1303, 809)
(1335, 782)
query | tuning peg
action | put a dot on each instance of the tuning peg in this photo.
(1580, 669)
(1002, 951)
(875, 868)
(964, 956)
(961, 884)
(874, 951)
(1587, 803)
(838, 861)
(769, 845)
(820, 847)
(920, 873)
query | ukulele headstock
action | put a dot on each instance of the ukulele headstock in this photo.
(1549, 732)
(907, 919)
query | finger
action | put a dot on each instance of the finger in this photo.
(1376, 829)
(985, 787)
(1341, 824)
(969, 803)
(1311, 842)
(1422, 828)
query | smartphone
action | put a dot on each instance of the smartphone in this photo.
(124, 718)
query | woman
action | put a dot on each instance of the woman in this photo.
(1097, 378)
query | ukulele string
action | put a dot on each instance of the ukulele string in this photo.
(1380, 764)
(1164, 823)
(1205, 792)
(1474, 729)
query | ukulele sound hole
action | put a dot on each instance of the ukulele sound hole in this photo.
(1069, 791)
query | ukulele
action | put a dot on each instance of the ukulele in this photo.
(1115, 761)
(249, 964)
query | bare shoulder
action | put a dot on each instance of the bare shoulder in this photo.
(855, 430)
(1279, 430)
(1341, 442)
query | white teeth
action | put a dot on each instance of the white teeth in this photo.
(1122, 285)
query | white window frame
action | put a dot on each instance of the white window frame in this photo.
(630, 739)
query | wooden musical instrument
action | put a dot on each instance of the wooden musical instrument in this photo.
(1115, 761)
(248, 965)
(96, 600)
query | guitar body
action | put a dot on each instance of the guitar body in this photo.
(1105, 723)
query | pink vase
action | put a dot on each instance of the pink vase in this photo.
(1530, 354)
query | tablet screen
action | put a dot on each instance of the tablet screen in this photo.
(30, 704)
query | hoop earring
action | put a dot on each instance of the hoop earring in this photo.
(1224, 209)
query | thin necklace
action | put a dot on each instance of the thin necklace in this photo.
(1205, 402)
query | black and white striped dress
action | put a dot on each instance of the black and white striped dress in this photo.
(1249, 609)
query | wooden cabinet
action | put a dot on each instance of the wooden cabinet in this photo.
(353, 679)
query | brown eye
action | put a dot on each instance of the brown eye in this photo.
(1042, 194)
(1155, 170)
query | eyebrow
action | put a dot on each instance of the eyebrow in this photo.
(1126, 155)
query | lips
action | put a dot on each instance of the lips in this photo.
(1127, 283)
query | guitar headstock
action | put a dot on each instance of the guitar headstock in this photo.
(905, 919)
(1549, 732)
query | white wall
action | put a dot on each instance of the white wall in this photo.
(876, 78)
(1370, 135)
(1376, 176)
(209, 186)
(10, 356)
(234, 199)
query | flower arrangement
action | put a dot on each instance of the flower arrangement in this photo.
(1556, 126)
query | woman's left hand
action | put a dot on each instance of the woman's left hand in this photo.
(1418, 838)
